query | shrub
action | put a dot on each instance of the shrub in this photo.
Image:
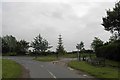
(110, 51)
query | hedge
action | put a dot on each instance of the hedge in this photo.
(110, 51)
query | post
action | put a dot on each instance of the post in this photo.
(78, 56)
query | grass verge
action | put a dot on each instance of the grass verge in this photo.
(11, 69)
(0, 68)
(46, 58)
(69, 56)
(98, 72)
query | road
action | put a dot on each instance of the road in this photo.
(39, 69)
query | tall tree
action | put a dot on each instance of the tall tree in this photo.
(112, 21)
(9, 43)
(60, 48)
(0, 45)
(96, 43)
(80, 46)
(40, 45)
(113, 38)
(22, 47)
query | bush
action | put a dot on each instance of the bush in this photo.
(110, 51)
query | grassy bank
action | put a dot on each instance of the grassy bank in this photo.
(98, 72)
(11, 69)
(46, 58)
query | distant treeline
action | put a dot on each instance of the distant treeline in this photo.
(11, 46)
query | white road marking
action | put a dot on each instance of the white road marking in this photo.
(70, 68)
(84, 75)
(51, 74)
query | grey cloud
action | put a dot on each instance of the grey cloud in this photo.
(27, 20)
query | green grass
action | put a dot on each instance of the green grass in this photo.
(98, 72)
(46, 58)
(11, 69)
(75, 55)
(0, 68)
(112, 63)
(69, 56)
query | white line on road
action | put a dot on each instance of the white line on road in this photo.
(70, 68)
(51, 74)
(84, 75)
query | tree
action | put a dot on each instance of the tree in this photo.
(60, 48)
(80, 47)
(0, 45)
(113, 38)
(112, 21)
(8, 44)
(22, 47)
(40, 45)
(96, 43)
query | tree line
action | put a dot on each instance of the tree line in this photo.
(11, 46)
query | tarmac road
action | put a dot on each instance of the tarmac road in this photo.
(39, 69)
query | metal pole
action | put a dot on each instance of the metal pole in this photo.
(78, 56)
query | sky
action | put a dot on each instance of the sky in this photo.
(75, 20)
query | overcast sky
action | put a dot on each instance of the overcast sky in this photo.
(75, 20)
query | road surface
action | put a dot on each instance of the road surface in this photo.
(39, 69)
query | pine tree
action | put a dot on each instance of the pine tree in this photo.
(60, 49)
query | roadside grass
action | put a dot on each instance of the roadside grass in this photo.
(98, 72)
(75, 55)
(112, 63)
(53, 57)
(69, 56)
(0, 68)
(46, 58)
(11, 69)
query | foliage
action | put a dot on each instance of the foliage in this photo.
(112, 21)
(110, 51)
(113, 38)
(80, 46)
(0, 45)
(98, 72)
(8, 44)
(40, 45)
(96, 43)
(10, 69)
(60, 49)
(22, 47)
